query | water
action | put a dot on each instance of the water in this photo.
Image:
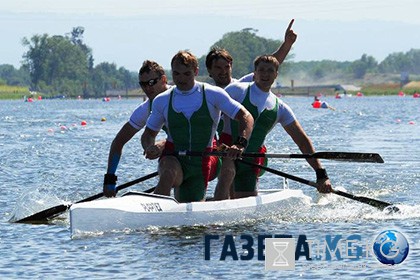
(47, 158)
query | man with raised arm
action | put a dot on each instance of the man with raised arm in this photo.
(219, 65)
(267, 110)
(219, 62)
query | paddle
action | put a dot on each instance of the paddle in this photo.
(372, 202)
(56, 210)
(343, 156)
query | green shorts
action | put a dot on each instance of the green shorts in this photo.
(197, 173)
(247, 176)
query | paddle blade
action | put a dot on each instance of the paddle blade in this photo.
(56, 210)
(45, 214)
(345, 156)
(382, 205)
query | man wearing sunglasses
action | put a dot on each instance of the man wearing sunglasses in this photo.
(190, 111)
(153, 81)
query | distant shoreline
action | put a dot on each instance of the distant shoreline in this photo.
(143, 97)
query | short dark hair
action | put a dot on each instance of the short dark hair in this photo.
(149, 66)
(186, 58)
(266, 58)
(217, 53)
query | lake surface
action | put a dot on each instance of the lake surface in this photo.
(47, 158)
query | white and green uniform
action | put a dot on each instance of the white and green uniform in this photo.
(191, 119)
(245, 79)
(267, 110)
(137, 120)
(139, 117)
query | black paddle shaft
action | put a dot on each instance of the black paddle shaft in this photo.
(340, 156)
(373, 202)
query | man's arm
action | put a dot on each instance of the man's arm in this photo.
(246, 122)
(299, 136)
(124, 135)
(110, 180)
(289, 39)
(151, 150)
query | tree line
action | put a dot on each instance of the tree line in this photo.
(64, 64)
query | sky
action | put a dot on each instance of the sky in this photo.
(126, 32)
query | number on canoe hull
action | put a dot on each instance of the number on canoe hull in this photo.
(151, 207)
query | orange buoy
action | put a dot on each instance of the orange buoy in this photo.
(316, 104)
(83, 123)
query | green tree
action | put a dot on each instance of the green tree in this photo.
(106, 76)
(14, 77)
(244, 46)
(129, 79)
(413, 57)
(365, 64)
(34, 58)
(77, 40)
(314, 71)
(401, 62)
(57, 63)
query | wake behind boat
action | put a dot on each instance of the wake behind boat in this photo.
(137, 210)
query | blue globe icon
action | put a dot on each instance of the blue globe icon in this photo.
(391, 247)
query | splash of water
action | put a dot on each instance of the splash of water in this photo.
(32, 202)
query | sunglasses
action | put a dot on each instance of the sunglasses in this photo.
(150, 82)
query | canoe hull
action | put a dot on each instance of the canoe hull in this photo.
(142, 210)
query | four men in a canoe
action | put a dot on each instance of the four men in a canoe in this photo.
(190, 113)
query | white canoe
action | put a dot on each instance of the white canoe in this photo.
(137, 210)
